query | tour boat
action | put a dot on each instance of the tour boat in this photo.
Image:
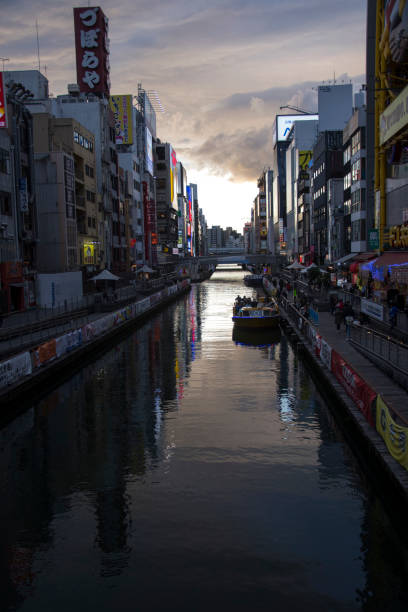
(253, 280)
(262, 316)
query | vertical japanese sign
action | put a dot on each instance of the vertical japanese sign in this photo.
(22, 189)
(3, 110)
(149, 152)
(92, 50)
(122, 109)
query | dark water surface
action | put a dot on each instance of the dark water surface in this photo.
(185, 471)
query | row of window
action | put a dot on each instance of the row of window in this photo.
(90, 196)
(319, 170)
(319, 192)
(84, 142)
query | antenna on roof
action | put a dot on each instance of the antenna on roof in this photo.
(38, 46)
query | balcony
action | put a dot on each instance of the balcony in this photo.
(80, 202)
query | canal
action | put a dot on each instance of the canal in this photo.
(185, 470)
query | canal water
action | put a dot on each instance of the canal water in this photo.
(187, 470)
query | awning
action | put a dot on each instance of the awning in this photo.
(345, 258)
(391, 259)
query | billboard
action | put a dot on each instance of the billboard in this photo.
(3, 111)
(284, 123)
(92, 50)
(149, 152)
(173, 178)
(305, 157)
(122, 110)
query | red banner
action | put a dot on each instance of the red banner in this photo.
(92, 50)
(3, 107)
(359, 391)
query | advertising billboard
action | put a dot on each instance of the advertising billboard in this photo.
(305, 157)
(284, 123)
(92, 50)
(149, 152)
(122, 110)
(3, 111)
(173, 178)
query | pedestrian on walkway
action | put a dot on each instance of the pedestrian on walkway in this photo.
(338, 314)
(333, 301)
(348, 314)
(393, 315)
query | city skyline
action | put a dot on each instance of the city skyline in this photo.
(221, 71)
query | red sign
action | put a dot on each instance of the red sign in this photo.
(3, 108)
(355, 386)
(92, 50)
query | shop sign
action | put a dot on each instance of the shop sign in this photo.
(123, 112)
(395, 117)
(3, 111)
(372, 309)
(373, 240)
(394, 436)
(92, 50)
(89, 252)
(396, 236)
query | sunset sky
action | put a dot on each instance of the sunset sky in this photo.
(221, 68)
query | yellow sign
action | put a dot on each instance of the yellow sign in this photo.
(395, 117)
(304, 159)
(122, 109)
(89, 252)
(395, 436)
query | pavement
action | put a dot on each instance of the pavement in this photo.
(394, 395)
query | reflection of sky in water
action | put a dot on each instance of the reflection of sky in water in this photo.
(184, 470)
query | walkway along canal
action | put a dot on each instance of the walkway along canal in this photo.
(186, 470)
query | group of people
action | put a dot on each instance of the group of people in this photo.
(343, 312)
(243, 301)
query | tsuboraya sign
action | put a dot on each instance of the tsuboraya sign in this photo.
(92, 50)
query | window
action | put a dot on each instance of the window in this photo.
(136, 185)
(5, 203)
(355, 143)
(346, 155)
(89, 171)
(161, 183)
(76, 136)
(161, 153)
(90, 196)
(347, 181)
(4, 161)
(347, 207)
(161, 166)
(356, 171)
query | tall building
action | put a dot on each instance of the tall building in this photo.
(165, 162)
(18, 205)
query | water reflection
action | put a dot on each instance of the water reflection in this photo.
(182, 466)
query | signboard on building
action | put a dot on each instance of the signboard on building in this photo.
(284, 123)
(149, 152)
(395, 117)
(92, 50)
(23, 194)
(89, 252)
(122, 110)
(396, 237)
(305, 157)
(373, 240)
(3, 107)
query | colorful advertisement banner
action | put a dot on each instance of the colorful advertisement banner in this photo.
(89, 252)
(122, 109)
(3, 110)
(359, 391)
(394, 436)
(92, 50)
(15, 368)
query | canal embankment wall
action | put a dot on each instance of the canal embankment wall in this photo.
(376, 430)
(41, 367)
